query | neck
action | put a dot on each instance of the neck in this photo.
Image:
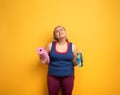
(62, 41)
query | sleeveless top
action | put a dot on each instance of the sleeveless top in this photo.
(61, 63)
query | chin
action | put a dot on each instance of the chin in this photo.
(62, 36)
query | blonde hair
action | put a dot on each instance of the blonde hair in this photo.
(54, 38)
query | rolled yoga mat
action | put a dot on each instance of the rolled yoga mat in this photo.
(43, 53)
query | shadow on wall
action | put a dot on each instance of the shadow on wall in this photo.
(39, 72)
(42, 70)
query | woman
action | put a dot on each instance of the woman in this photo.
(62, 55)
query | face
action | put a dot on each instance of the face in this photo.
(60, 33)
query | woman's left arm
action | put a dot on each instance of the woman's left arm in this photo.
(74, 50)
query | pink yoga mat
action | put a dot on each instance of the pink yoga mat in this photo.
(43, 53)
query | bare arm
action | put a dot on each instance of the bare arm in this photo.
(74, 50)
(48, 48)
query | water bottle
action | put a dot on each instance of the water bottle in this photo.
(79, 59)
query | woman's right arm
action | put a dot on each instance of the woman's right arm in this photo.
(48, 49)
(75, 50)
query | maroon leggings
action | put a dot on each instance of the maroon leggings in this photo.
(54, 84)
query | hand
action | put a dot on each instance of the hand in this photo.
(75, 62)
(42, 59)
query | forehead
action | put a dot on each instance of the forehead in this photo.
(58, 28)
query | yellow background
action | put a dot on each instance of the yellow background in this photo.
(92, 25)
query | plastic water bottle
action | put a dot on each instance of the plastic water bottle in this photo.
(79, 59)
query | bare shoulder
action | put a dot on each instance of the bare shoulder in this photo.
(74, 48)
(73, 45)
(48, 47)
